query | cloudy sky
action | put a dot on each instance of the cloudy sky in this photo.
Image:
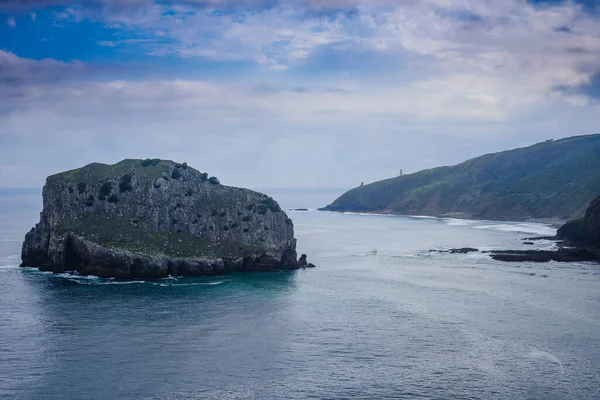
(290, 94)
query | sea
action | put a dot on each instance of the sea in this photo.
(380, 317)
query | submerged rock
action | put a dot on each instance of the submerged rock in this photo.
(154, 218)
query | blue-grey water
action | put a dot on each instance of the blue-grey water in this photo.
(380, 317)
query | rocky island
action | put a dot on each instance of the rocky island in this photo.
(155, 218)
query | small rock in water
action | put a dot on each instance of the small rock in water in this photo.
(302, 261)
(463, 250)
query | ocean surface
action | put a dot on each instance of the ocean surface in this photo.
(380, 317)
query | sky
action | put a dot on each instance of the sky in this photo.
(290, 93)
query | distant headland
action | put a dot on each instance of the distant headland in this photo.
(555, 179)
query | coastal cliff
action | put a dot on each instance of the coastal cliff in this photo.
(155, 218)
(584, 231)
(555, 179)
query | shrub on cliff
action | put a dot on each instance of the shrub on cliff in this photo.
(176, 174)
(213, 180)
(105, 190)
(90, 201)
(262, 209)
(113, 198)
(271, 204)
(125, 184)
(150, 162)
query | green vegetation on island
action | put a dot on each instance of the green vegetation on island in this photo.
(153, 218)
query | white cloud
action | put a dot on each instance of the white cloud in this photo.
(482, 82)
(10, 21)
(509, 41)
(456, 97)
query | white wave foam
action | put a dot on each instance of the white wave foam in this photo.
(34, 270)
(10, 260)
(199, 284)
(188, 284)
(543, 355)
(78, 277)
(458, 222)
(104, 282)
(96, 280)
(536, 229)
(357, 213)
(407, 255)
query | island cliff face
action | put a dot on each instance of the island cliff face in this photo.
(584, 231)
(155, 218)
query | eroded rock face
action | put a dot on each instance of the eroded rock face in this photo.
(155, 218)
(584, 231)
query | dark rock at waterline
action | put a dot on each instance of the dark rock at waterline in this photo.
(528, 243)
(302, 261)
(154, 218)
(584, 231)
(462, 250)
(563, 255)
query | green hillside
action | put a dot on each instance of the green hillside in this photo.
(552, 179)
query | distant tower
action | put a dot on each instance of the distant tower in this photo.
(401, 172)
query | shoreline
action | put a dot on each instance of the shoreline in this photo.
(553, 222)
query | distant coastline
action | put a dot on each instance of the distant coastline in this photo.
(554, 222)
